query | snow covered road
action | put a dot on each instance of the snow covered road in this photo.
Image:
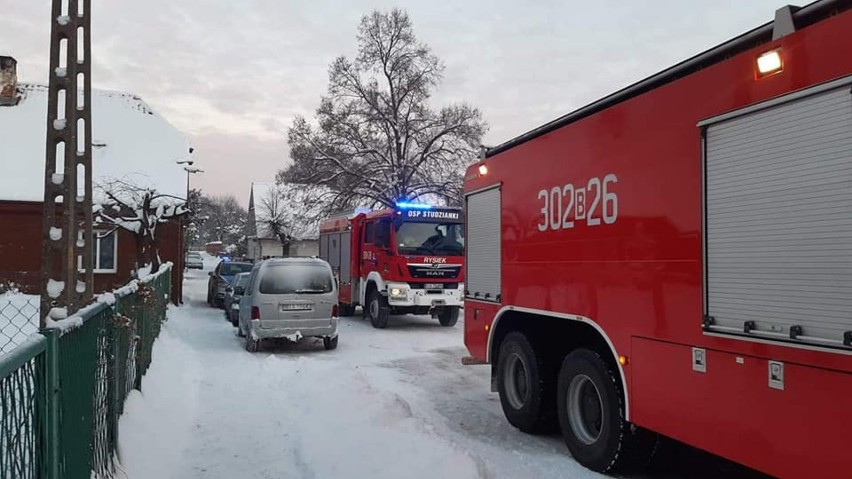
(392, 403)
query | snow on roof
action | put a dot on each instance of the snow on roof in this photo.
(130, 142)
(300, 209)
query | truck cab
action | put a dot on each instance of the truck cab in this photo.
(407, 259)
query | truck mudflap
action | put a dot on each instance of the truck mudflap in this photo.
(471, 361)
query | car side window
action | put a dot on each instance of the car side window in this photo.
(252, 281)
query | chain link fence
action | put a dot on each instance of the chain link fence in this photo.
(62, 391)
(19, 317)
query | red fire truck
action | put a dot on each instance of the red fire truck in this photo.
(407, 259)
(676, 258)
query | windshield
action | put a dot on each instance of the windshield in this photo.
(446, 239)
(230, 269)
(296, 279)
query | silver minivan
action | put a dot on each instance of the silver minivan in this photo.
(289, 298)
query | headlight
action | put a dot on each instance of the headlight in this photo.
(398, 292)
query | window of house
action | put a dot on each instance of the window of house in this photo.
(368, 233)
(106, 253)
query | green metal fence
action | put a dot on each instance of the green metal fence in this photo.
(63, 391)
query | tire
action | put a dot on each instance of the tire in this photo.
(449, 316)
(209, 298)
(330, 343)
(590, 406)
(378, 310)
(234, 320)
(526, 386)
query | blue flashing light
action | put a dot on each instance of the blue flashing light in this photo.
(413, 206)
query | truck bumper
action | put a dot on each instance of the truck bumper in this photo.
(423, 298)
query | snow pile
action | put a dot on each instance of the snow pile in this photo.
(64, 325)
(55, 288)
(158, 422)
(130, 142)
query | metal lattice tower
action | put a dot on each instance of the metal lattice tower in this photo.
(67, 243)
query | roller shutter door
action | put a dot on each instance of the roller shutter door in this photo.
(778, 220)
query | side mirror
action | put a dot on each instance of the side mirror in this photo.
(210, 273)
(239, 290)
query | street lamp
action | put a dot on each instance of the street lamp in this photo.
(190, 170)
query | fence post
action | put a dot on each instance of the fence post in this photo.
(51, 360)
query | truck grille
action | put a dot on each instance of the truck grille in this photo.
(434, 270)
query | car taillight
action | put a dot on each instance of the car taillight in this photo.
(334, 311)
(255, 312)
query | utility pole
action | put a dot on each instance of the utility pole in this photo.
(68, 243)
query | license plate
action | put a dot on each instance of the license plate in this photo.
(433, 286)
(294, 307)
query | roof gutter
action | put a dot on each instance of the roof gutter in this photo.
(800, 17)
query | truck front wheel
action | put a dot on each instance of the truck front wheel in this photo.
(591, 412)
(378, 310)
(449, 316)
(526, 387)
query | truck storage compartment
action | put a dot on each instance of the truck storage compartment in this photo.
(483, 245)
(778, 218)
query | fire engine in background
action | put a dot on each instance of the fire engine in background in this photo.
(407, 259)
(676, 258)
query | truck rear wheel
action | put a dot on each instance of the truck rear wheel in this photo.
(449, 316)
(527, 392)
(591, 412)
(378, 310)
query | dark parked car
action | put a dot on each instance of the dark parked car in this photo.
(221, 277)
(233, 293)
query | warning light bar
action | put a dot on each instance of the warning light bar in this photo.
(405, 205)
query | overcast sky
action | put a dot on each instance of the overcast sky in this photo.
(232, 74)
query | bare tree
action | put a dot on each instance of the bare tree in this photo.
(376, 139)
(123, 205)
(220, 218)
(290, 212)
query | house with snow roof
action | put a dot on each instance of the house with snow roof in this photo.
(131, 143)
(283, 220)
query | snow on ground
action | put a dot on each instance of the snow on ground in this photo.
(386, 404)
(392, 403)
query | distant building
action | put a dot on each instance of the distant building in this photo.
(214, 247)
(130, 143)
(280, 204)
